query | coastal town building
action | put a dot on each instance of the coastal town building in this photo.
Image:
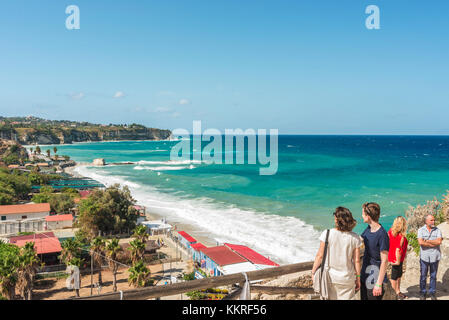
(186, 239)
(259, 261)
(195, 251)
(62, 221)
(47, 245)
(156, 227)
(24, 211)
(215, 259)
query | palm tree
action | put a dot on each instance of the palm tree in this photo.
(38, 150)
(28, 264)
(137, 248)
(112, 249)
(48, 152)
(70, 249)
(139, 275)
(97, 248)
(70, 255)
(76, 262)
(140, 232)
(55, 150)
(8, 273)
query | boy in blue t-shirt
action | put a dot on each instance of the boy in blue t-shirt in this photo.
(375, 257)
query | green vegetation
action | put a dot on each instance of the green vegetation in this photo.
(97, 251)
(109, 211)
(18, 268)
(413, 242)
(207, 294)
(30, 129)
(188, 276)
(113, 248)
(139, 275)
(12, 153)
(13, 186)
(59, 202)
(416, 218)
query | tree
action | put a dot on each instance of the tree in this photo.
(7, 194)
(61, 203)
(137, 248)
(71, 255)
(48, 152)
(107, 211)
(38, 150)
(97, 248)
(140, 232)
(113, 248)
(27, 269)
(55, 150)
(18, 182)
(70, 249)
(44, 195)
(139, 275)
(35, 179)
(8, 269)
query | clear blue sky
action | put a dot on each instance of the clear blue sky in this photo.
(299, 66)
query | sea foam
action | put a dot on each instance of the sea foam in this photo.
(283, 239)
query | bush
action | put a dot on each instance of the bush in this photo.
(189, 276)
(412, 239)
(416, 215)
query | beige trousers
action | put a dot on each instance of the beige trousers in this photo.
(341, 291)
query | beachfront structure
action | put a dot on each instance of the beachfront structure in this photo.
(195, 251)
(258, 260)
(46, 244)
(156, 227)
(185, 239)
(24, 211)
(74, 183)
(59, 221)
(142, 214)
(217, 260)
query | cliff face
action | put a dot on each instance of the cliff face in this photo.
(28, 136)
(11, 152)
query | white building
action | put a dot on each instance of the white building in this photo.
(24, 211)
(56, 222)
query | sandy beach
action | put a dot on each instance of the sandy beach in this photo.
(200, 235)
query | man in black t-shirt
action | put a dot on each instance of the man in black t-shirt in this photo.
(375, 258)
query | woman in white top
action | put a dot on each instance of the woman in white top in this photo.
(343, 256)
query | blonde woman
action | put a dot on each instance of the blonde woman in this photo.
(397, 253)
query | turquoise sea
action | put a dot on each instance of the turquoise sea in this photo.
(280, 215)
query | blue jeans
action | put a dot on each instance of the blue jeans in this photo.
(425, 268)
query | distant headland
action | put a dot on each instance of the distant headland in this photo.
(32, 130)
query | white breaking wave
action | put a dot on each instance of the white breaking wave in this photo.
(169, 162)
(162, 168)
(283, 239)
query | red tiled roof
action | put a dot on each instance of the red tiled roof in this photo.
(198, 246)
(25, 208)
(33, 236)
(222, 255)
(43, 245)
(251, 255)
(61, 217)
(186, 236)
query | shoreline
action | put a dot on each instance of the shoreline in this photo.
(86, 142)
(154, 216)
